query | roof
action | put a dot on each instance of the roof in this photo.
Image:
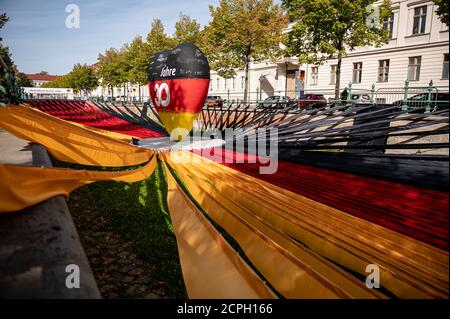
(42, 77)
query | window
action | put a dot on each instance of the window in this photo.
(333, 69)
(314, 75)
(419, 19)
(388, 24)
(234, 83)
(357, 72)
(218, 84)
(414, 68)
(445, 67)
(383, 70)
(242, 82)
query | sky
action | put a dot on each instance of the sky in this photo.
(40, 41)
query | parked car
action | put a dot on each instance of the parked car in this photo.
(312, 101)
(439, 101)
(213, 101)
(361, 98)
(357, 98)
(276, 101)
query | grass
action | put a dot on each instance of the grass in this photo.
(138, 212)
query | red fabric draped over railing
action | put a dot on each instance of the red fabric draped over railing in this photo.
(85, 113)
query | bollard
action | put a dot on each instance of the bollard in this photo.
(430, 89)
(405, 97)
(372, 93)
(349, 95)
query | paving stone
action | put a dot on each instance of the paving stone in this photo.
(136, 271)
(128, 279)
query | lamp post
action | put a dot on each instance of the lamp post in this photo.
(286, 63)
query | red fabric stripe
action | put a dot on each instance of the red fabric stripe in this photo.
(186, 95)
(88, 114)
(413, 211)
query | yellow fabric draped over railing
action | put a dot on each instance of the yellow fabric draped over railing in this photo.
(25, 186)
(211, 267)
(69, 142)
(295, 243)
(272, 221)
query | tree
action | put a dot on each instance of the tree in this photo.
(138, 55)
(157, 38)
(442, 10)
(187, 30)
(3, 20)
(109, 69)
(81, 78)
(9, 92)
(61, 82)
(22, 80)
(329, 29)
(242, 31)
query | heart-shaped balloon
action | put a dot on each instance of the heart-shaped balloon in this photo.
(178, 84)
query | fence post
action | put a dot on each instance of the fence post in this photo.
(372, 92)
(228, 96)
(257, 95)
(349, 95)
(405, 97)
(430, 89)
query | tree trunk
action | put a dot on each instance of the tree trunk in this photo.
(112, 92)
(246, 80)
(139, 92)
(338, 77)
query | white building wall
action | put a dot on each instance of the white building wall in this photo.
(431, 46)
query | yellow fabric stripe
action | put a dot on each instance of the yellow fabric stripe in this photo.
(172, 120)
(68, 142)
(25, 186)
(409, 268)
(294, 270)
(211, 267)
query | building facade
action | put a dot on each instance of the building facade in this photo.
(39, 79)
(418, 51)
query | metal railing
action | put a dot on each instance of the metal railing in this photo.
(428, 97)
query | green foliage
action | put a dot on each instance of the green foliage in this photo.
(22, 80)
(3, 20)
(442, 10)
(110, 68)
(9, 91)
(331, 28)
(241, 31)
(138, 56)
(81, 78)
(157, 38)
(187, 30)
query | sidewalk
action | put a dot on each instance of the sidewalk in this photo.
(14, 150)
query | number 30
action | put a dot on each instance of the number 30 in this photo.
(158, 90)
